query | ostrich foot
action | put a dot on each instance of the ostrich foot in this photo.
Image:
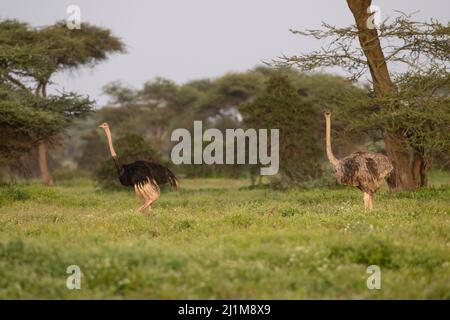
(143, 207)
(147, 205)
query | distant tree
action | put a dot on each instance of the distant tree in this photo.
(26, 119)
(404, 106)
(92, 153)
(161, 106)
(280, 106)
(227, 92)
(151, 111)
(118, 93)
(30, 57)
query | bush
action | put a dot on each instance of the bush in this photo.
(280, 106)
(10, 193)
(68, 174)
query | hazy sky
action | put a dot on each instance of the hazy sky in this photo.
(190, 39)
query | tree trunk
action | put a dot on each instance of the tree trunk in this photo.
(421, 168)
(417, 163)
(45, 173)
(424, 170)
(42, 148)
(402, 178)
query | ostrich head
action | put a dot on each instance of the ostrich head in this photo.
(327, 113)
(104, 125)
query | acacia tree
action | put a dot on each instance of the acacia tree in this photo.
(150, 111)
(30, 57)
(405, 109)
(26, 119)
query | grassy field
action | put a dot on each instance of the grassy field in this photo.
(221, 239)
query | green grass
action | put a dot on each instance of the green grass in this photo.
(218, 239)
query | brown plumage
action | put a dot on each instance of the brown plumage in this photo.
(364, 170)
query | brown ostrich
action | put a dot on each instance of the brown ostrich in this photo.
(364, 170)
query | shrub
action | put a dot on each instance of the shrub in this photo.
(281, 107)
(11, 193)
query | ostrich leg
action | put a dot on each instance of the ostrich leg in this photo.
(149, 203)
(139, 191)
(151, 191)
(366, 200)
(370, 201)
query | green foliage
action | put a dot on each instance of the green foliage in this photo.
(197, 244)
(372, 251)
(228, 92)
(281, 107)
(11, 193)
(72, 48)
(419, 110)
(92, 153)
(66, 175)
(21, 54)
(408, 110)
(28, 59)
(130, 147)
(161, 106)
(39, 53)
(26, 119)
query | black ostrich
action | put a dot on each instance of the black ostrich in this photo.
(144, 176)
(364, 170)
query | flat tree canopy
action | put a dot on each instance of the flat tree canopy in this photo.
(29, 57)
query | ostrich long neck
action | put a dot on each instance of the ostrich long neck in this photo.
(330, 154)
(110, 144)
(112, 151)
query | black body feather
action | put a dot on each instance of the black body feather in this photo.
(141, 171)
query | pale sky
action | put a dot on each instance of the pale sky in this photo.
(189, 39)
